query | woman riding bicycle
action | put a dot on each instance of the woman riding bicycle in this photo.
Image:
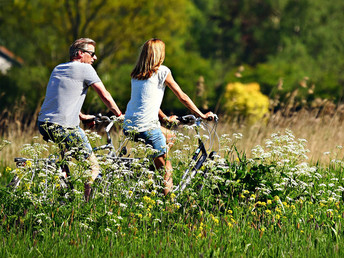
(149, 78)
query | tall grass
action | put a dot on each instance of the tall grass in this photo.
(321, 126)
(272, 204)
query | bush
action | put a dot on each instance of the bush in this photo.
(246, 101)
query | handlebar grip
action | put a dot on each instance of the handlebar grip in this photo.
(216, 118)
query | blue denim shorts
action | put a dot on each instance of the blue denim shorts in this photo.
(154, 137)
(69, 137)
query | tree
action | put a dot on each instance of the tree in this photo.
(47, 28)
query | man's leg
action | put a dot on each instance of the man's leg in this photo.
(95, 169)
(161, 162)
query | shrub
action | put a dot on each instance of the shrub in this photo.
(246, 101)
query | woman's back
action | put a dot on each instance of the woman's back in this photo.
(146, 97)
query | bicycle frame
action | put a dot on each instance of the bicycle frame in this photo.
(199, 157)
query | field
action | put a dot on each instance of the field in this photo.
(276, 189)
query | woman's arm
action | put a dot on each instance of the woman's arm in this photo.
(183, 98)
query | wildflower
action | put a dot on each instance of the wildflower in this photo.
(269, 202)
(123, 205)
(268, 211)
(8, 169)
(276, 198)
(278, 210)
(173, 196)
(177, 205)
(277, 216)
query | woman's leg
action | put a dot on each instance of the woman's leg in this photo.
(162, 162)
(169, 135)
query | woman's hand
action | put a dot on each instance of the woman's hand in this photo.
(172, 119)
(210, 116)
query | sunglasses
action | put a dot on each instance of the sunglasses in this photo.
(92, 54)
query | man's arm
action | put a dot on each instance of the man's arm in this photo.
(106, 98)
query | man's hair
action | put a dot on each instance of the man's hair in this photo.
(80, 44)
(151, 57)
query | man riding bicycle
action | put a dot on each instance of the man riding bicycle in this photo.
(60, 113)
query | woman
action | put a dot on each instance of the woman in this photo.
(149, 78)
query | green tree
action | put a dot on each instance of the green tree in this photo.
(47, 28)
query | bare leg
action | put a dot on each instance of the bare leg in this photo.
(169, 135)
(168, 180)
(95, 172)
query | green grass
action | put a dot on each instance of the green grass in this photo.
(271, 204)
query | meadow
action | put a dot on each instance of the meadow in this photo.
(275, 189)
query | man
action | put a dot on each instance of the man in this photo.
(60, 113)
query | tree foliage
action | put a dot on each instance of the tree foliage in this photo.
(274, 40)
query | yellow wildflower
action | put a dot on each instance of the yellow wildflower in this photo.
(278, 210)
(173, 196)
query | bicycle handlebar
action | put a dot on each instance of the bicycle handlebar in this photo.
(98, 119)
(191, 119)
(187, 119)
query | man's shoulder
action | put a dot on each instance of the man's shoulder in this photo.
(75, 64)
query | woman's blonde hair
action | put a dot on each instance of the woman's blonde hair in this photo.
(151, 57)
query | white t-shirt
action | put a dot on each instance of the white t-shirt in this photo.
(146, 97)
(66, 92)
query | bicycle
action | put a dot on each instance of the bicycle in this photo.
(199, 156)
(125, 170)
